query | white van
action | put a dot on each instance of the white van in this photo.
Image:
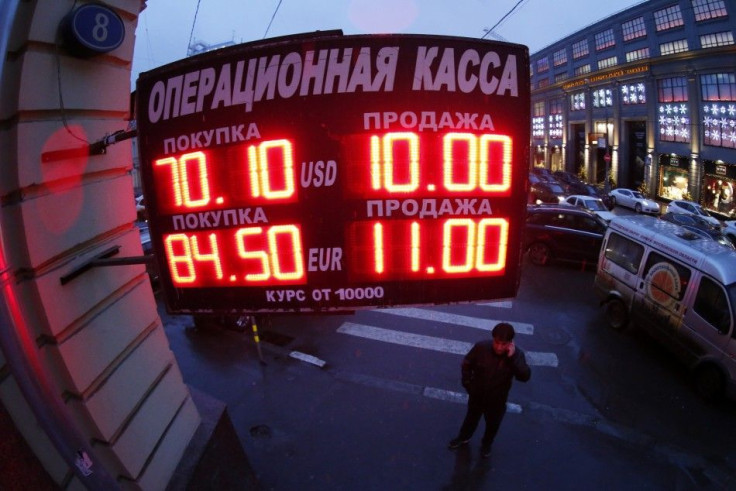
(678, 287)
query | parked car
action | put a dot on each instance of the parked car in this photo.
(147, 246)
(698, 226)
(567, 178)
(590, 190)
(544, 173)
(692, 208)
(140, 207)
(729, 230)
(591, 203)
(563, 233)
(543, 191)
(630, 198)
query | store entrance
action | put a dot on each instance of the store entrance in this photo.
(579, 140)
(633, 173)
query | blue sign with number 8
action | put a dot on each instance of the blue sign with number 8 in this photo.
(93, 29)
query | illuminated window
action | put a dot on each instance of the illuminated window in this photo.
(718, 87)
(559, 77)
(538, 120)
(604, 39)
(674, 116)
(634, 29)
(672, 90)
(542, 65)
(580, 49)
(716, 39)
(718, 91)
(633, 94)
(543, 83)
(560, 57)
(607, 63)
(637, 54)
(582, 70)
(602, 98)
(673, 47)
(554, 120)
(673, 179)
(577, 101)
(668, 18)
(709, 9)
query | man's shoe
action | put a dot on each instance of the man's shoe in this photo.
(485, 451)
(456, 443)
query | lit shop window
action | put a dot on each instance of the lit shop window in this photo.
(673, 182)
(718, 194)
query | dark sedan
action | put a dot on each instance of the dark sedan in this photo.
(545, 191)
(699, 227)
(563, 233)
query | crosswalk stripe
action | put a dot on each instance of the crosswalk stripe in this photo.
(461, 320)
(431, 343)
(459, 397)
(503, 304)
(298, 355)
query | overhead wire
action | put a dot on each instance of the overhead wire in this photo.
(503, 18)
(194, 22)
(272, 18)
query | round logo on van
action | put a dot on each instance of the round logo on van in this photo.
(663, 284)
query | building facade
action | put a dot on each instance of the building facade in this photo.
(647, 97)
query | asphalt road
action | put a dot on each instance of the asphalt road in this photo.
(370, 400)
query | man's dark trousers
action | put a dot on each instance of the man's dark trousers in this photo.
(492, 410)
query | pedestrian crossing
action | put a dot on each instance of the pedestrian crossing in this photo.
(459, 320)
(438, 344)
(381, 334)
(432, 343)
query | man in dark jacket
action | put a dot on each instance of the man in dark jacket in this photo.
(487, 373)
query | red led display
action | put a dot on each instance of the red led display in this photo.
(337, 187)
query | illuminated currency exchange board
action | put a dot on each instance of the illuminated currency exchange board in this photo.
(326, 172)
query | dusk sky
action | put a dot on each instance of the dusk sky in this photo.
(166, 27)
